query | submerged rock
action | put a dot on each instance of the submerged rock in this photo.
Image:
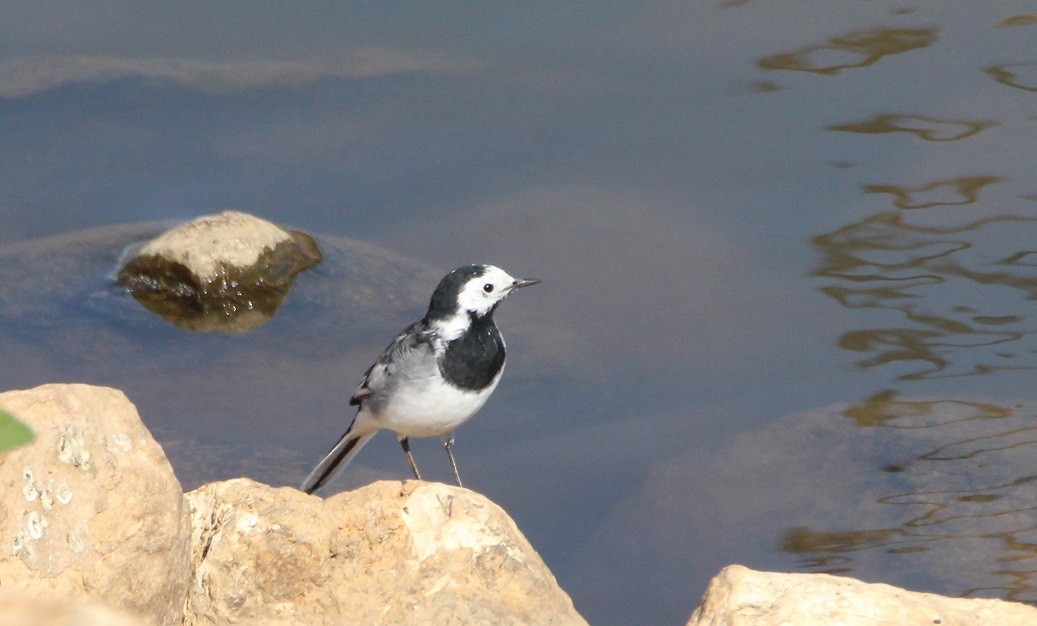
(92, 509)
(739, 596)
(227, 272)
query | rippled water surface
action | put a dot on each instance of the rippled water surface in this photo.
(788, 251)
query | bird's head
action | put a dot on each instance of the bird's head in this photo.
(472, 291)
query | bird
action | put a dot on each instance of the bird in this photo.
(435, 375)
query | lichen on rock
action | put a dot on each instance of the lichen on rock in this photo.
(82, 516)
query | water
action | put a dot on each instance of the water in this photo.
(787, 251)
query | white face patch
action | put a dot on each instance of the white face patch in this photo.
(481, 293)
(476, 297)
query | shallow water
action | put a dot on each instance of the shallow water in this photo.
(787, 251)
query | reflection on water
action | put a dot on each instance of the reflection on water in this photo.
(825, 550)
(1027, 19)
(922, 126)
(851, 50)
(883, 262)
(951, 192)
(942, 279)
(884, 409)
(968, 497)
(1018, 75)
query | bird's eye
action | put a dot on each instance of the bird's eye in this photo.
(488, 288)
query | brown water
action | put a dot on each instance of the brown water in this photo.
(787, 250)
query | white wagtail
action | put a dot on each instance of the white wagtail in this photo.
(435, 375)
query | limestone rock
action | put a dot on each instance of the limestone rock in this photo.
(738, 596)
(19, 611)
(230, 238)
(92, 508)
(224, 272)
(390, 553)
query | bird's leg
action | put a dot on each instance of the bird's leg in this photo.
(448, 442)
(410, 458)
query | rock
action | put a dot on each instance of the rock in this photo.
(391, 552)
(739, 596)
(64, 283)
(92, 509)
(227, 272)
(93, 513)
(19, 611)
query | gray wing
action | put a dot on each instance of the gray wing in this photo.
(411, 346)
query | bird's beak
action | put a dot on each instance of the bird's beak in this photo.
(524, 282)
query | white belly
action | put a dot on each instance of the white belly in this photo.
(428, 408)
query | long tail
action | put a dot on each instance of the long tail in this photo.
(339, 457)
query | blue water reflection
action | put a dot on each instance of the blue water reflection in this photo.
(757, 226)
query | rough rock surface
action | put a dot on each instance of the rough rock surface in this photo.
(19, 611)
(739, 596)
(389, 553)
(92, 508)
(225, 272)
(204, 244)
